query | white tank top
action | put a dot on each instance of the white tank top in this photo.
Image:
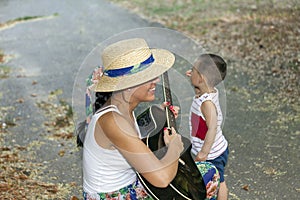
(104, 170)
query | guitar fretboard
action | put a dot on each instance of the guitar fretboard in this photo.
(168, 98)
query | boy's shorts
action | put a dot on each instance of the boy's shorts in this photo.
(220, 163)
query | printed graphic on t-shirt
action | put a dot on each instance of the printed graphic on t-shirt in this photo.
(199, 127)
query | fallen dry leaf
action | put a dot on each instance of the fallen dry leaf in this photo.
(61, 153)
(20, 100)
(74, 198)
(245, 187)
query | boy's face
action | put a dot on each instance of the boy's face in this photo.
(194, 76)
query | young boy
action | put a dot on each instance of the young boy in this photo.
(208, 142)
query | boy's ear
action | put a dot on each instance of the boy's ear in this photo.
(201, 78)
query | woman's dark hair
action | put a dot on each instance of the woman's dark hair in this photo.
(101, 99)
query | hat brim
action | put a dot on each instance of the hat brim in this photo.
(163, 60)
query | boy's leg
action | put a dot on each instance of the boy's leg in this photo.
(223, 191)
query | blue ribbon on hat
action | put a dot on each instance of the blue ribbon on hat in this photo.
(129, 70)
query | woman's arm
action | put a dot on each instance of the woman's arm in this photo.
(124, 137)
(210, 114)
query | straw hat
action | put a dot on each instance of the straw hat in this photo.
(131, 62)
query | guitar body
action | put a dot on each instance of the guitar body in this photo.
(188, 182)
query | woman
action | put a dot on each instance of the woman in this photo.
(113, 150)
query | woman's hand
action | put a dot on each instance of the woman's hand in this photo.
(172, 138)
(173, 142)
(174, 109)
(169, 134)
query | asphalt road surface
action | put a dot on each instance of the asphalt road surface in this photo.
(49, 45)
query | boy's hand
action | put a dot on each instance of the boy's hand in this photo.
(201, 156)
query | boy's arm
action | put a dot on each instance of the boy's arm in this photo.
(210, 114)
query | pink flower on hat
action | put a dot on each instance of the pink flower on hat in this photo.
(91, 83)
(95, 77)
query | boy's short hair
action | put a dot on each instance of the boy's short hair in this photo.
(213, 67)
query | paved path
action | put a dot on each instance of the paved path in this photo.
(49, 51)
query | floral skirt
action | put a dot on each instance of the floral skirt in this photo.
(134, 191)
(211, 179)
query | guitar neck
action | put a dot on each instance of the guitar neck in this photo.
(168, 98)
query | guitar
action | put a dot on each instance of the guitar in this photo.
(188, 182)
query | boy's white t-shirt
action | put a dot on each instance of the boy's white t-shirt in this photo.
(220, 144)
